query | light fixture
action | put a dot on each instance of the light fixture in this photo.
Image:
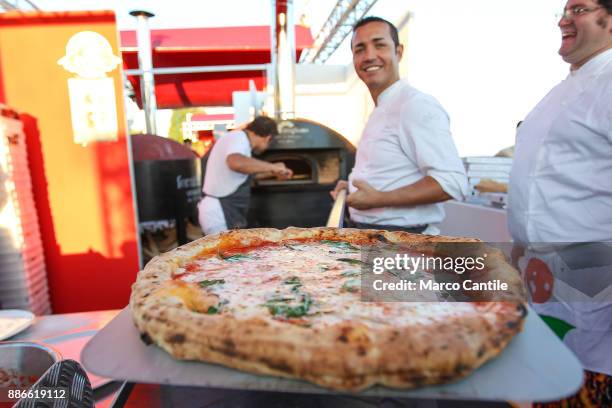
(89, 56)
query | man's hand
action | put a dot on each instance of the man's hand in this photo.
(365, 197)
(281, 172)
(341, 185)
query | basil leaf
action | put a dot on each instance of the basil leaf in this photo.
(349, 274)
(285, 310)
(206, 283)
(212, 310)
(293, 280)
(234, 258)
(278, 300)
(352, 285)
(341, 245)
(351, 261)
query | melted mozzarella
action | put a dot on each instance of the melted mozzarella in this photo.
(249, 283)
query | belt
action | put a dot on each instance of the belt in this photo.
(414, 229)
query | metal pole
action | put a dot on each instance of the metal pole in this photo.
(283, 59)
(200, 69)
(145, 64)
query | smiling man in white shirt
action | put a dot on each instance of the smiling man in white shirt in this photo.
(406, 163)
(561, 192)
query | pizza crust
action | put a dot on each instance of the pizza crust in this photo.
(349, 355)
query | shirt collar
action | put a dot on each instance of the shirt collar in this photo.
(594, 66)
(387, 94)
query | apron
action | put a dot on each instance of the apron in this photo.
(236, 205)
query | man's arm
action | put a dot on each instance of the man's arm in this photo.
(425, 137)
(248, 165)
(425, 191)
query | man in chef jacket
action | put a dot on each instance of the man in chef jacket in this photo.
(561, 192)
(406, 163)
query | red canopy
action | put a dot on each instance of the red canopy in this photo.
(205, 47)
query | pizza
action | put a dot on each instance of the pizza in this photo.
(288, 303)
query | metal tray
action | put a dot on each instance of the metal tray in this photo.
(535, 366)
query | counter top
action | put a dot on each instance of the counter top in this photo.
(48, 328)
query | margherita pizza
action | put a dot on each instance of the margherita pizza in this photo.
(288, 303)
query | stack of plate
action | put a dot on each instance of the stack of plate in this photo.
(23, 277)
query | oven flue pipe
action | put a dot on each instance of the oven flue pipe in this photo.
(283, 59)
(145, 64)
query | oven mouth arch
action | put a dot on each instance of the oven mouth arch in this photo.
(304, 169)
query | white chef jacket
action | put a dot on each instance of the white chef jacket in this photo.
(220, 180)
(561, 179)
(561, 191)
(406, 138)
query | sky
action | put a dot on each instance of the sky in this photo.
(488, 62)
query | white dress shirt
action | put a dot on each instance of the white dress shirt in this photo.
(560, 192)
(406, 138)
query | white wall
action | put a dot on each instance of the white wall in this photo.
(342, 104)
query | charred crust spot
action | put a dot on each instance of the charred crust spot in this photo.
(344, 336)
(380, 237)
(412, 377)
(227, 352)
(460, 368)
(512, 325)
(481, 351)
(277, 365)
(419, 381)
(361, 351)
(522, 309)
(229, 344)
(146, 339)
(176, 338)
(354, 381)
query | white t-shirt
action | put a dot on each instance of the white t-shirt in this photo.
(406, 138)
(221, 181)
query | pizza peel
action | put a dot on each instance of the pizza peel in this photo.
(535, 366)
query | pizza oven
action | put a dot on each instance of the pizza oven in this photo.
(318, 157)
(167, 183)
